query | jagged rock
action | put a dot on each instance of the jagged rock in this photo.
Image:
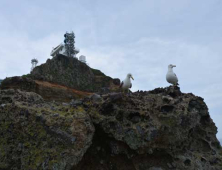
(66, 71)
(116, 82)
(33, 136)
(96, 98)
(63, 79)
(76, 103)
(72, 73)
(48, 91)
(11, 96)
(162, 128)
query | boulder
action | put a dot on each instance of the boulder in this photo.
(159, 129)
(40, 135)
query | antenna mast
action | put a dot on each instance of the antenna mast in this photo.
(69, 44)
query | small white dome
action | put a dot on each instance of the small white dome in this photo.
(82, 58)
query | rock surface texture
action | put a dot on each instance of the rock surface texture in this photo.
(72, 73)
(63, 79)
(49, 91)
(40, 135)
(162, 129)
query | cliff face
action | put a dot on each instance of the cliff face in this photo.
(161, 129)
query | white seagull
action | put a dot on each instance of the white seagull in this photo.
(126, 84)
(171, 77)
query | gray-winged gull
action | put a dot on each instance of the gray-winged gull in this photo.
(171, 77)
(126, 84)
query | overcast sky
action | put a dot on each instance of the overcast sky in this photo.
(137, 36)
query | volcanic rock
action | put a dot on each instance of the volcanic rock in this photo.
(40, 135)
(159, 129)
(162, 129)
(72, 73)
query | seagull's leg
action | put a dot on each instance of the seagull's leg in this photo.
(128, 92)
(131, 93)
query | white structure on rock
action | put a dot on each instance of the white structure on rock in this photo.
(34, 62)
(82, 58)
(68, 48)
(60, 49)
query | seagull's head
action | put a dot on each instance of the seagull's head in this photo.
(130, 76)
(171, 66)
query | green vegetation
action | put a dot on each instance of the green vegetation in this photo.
(27, 76)
(97, 72)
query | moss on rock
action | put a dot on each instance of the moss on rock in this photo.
(39, 135)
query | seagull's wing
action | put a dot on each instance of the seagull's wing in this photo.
(130, 85)
(121, 85)
(176, 78)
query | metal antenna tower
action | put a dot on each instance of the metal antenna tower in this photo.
(69, 44)
(34, 62)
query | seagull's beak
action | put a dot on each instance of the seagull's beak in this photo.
(174, 65)
(132, 77)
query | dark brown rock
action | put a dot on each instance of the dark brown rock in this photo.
(63, 79)
(34, 136)
(159, 129)
(66, 71)
(162, 129)
(72, 73)
(49, 91)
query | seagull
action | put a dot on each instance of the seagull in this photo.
(171, 77)
(126, 84)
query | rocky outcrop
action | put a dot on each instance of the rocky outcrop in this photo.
(49, 91)
(162, 129)
(63, 79)
(40, 135)
(72, 73)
